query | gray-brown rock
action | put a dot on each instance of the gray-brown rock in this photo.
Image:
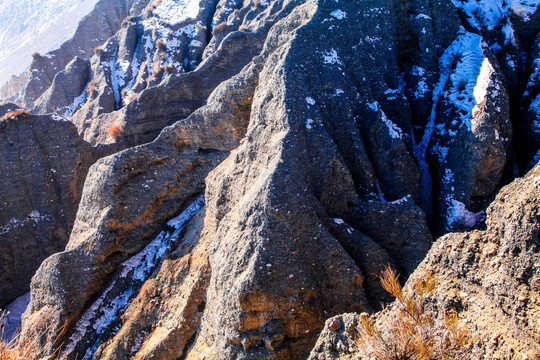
(68, 86)
(7, 108)
(12, 89)
(96, 27)
(325, 135)
(490, 279)
(44, 164)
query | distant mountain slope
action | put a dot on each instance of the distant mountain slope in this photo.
(30, 26)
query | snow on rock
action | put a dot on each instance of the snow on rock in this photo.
(173, 12)
(10, 317)
(331, 57)
(339, 14)
(422, 87)
(67, 111)
(490, 13)
(458, 215)
(394, 130)
(310, 100)
(33, 217)
(535, 108)
(403, 200)
(467, 77)
(497, 14)
(133, 273)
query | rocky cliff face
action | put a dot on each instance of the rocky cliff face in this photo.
(101, 23)
(276, 157)
(44, 164)
(12, 89)
(490, 278)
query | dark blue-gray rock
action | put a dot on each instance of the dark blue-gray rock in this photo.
(44, 165)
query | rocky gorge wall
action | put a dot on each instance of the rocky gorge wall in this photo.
(330, 140)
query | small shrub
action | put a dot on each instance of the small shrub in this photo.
(221, 27)
(36, 55)
(170, 69)
(91, 88)
(114, 131)
(161, 44)
(407, 331)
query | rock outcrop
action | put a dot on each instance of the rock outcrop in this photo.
(12, 89)
(94, 29)
(331, 140)
(44, 164)
(490, 279)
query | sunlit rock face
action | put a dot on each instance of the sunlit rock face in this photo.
(267, 161)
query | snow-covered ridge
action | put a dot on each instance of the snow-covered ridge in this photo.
(492, 14)
(465, 74)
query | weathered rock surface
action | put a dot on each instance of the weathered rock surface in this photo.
(7, 108)
(244, 314)
(96, 27)
(44, 164)
(66, 87)
(490, 278)
(331, 140)
(164, 176)
(12, 89)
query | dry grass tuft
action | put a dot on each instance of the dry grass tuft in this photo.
(92, 87)
(114, 131)
(15, 114)
(24, 349)
(15, 349)
(407, 331)
(220, 28)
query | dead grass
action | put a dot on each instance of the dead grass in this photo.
(220, 28)
(114, 131)
(25, 349)
(16, 349)
(92, 87)
(407, 332)
(15, 114)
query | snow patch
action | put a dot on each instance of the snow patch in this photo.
(339, 14)
(459, 215)
(10, 317)
(67, 111)
(310, 100)
(173, 12)
(394, 130)
(493, 14)
(108, 307)
(13, 224)
(331, 57)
